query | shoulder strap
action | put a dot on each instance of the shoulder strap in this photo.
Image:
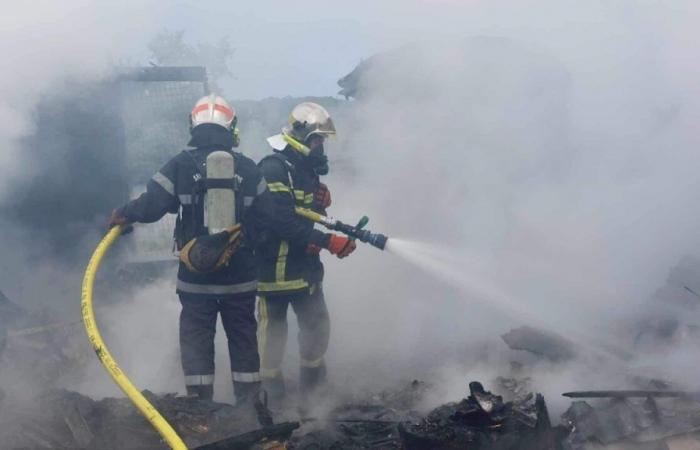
(197, 164)
(203, 183)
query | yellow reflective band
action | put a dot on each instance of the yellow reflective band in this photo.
(280, 272)
(312, 289)
(278, 187)
(262, 327)
(301, 196)
(282, 285)
(281, 266)
(296, 145)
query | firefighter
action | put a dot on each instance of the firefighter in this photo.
(291, 272)
(181, 187)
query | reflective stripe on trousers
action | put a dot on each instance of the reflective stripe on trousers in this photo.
(197, 331)
(262, 332)
(314, 329)
(246, 377)
(199, 380)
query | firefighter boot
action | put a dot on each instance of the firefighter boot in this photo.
(275, 388)
(310, 379)
(204, 392)
(250, 395)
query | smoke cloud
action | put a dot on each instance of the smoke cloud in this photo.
(534, 160)
(59, 175)
(553, 161)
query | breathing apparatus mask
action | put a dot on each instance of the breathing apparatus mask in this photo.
(316, 157)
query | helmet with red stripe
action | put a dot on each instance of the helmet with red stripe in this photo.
(213, 109)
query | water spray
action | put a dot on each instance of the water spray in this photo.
(357, 232)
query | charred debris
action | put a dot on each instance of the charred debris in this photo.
(654, 419)
(503, 413)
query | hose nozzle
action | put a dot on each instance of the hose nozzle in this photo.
(377, 240)
(374, 239)
(357, 232)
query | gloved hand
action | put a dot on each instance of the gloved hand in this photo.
(322, 196)
(341, 246)
(116, 219)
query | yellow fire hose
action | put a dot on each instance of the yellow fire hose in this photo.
(159, 423)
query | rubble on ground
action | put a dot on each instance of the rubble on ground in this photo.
(36, 347)
(387, 420)
(514, 418)
(65, 419)
(651, 420)
(673, 316)
(661, 420)
(655, 416)
(351, 427)
(370, 422)
(484, 421)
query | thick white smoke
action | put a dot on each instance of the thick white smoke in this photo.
(556, 162)
(549, 166)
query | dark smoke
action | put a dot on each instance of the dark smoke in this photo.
(73, 174)
(76, 159)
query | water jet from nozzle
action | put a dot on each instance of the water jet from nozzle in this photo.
(471, 277)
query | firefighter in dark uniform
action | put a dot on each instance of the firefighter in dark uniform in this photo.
(229, 290)
(291, 272)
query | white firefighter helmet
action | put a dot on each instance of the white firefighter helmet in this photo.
(213, 109)
(306, 119)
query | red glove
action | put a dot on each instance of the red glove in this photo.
(341, 246)
(323, 196)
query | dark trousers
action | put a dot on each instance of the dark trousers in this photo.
(197, 330)
(314, 331)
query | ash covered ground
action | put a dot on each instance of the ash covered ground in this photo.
(504, 410)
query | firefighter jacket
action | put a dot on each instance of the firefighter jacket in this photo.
(286, 264)
(174, 189)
